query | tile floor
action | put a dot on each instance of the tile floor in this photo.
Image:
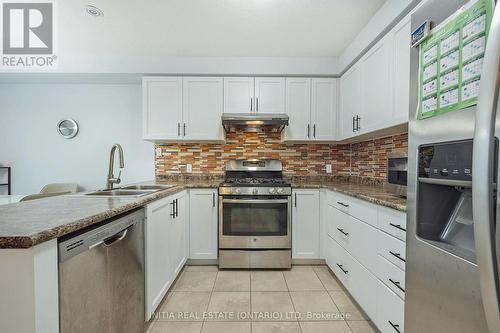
(305, 299)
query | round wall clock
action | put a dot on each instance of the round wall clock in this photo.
(67, 128)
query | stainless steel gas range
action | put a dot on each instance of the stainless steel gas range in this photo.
(254, 216)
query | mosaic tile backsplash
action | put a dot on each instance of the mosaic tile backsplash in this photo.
(364, 159)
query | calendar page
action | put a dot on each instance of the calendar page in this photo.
(451, 60)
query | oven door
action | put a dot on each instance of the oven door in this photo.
(251, 222)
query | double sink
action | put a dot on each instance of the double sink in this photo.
(129, 191)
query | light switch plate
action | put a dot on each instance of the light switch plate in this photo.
(328, 168)
(189, 168)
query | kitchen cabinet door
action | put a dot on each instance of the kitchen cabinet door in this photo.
(177, 234)
(401, 71)
(298, 106)
(159, 268)
(162, 108)
(350, 101)
(239, 95)
(270, 95)
(305, 224)
(203, 223)
(323, 109)
(202, 108)
(376, 87)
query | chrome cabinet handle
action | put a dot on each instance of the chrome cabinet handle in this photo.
(343, 232)
(178, 129)
(483, 161)
(342, 268)
(176, 207)
(358, 123)
(398, 255)
(173, 209)
(353, 122)
(397, 284)
(395, 326)
(397, 226)
(342, 204)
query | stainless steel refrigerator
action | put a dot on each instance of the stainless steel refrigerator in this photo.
(453, 239)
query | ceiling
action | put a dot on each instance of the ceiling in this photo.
(214, 28)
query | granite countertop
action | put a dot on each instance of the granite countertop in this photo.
(26, 224)
(374, 193)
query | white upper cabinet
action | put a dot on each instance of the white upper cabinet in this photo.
(178, 109)
(298, 108)
(202, 108)
(323, 109)
(374, 92)
(401, 70)
(269, 95)
(350, 106)
(239, 95)
(376, 87)
(311, 105)
(162, 107)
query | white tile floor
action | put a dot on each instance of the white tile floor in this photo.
(305, 299)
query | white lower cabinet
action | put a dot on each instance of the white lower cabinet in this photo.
(203, 224)
(368, 261)
(165, 246)
(305, 224)
(390, 310)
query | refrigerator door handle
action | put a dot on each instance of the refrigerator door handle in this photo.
(482, 175)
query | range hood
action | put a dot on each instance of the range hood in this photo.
(254, 122)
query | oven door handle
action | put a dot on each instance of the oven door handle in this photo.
(250, 201)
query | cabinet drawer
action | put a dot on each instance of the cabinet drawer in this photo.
(392, 276)
(393, 222)
(340, 228)
(339, 261)
(392, 249)
(363, 287)
(390, 310)
(363, 243)
(360, 209)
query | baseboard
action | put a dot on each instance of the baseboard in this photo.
(308, 262)
(202, 262)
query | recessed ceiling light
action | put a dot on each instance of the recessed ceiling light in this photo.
(94, 11)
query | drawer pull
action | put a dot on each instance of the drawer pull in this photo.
(398, 226)
(398, 255)
(397, 284)
(342, 268)
(395, 326)
(343, 232)
(342, 204)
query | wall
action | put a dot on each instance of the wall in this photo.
(365, 159)
(107, 114)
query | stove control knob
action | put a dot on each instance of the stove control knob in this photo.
(272, 191)
(255, 191)
(279, 191)
(235, 191)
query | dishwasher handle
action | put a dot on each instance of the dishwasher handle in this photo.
(108, 242)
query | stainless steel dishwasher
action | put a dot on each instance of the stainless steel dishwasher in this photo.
(101, 277)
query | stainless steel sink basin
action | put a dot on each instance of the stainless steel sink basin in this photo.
(147, 187)
(119, 193)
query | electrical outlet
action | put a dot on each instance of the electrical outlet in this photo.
(328, 168)
(189, 168)
(158, 152)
